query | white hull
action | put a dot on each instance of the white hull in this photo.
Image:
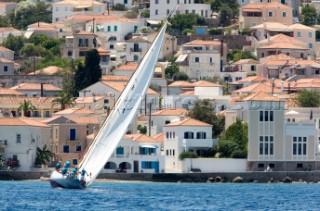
(57, 180)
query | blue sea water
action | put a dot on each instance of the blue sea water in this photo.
(30, 195)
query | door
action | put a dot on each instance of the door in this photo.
(136, 166)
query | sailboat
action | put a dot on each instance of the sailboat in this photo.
(116, 124)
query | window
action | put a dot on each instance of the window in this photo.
(260, 165)
(298, 34)
(261, 116)
(135, 58)
(156, 12)
(271, 116)
(57, 8)
(18, 138)
(173, 152)
(75, 161)
(120, 151)
(111, 46)
(115, 28)
(167, 122)
(168, 1)
(178, 1)
(201, 135)
(299, 145)
(78, 148)
(167, 152)
(66, 9)
(135, 28)
(187, 11)
(156, 1)
(196, 59)
(125, 2)
(266, 145)
(193, 11)
(168, 11)
(188, 135)
(82, 53)
(173, 135)
(72, 134)
(5, 68)
(147, 165)
(270, 14)
(266, 116)
(109, 28)
(69, 53)
(253, 68)
(66, 148)
(299, 165)
(310, 45)
(170, 134)
(284, 14)
(310, 34)
(57, 19)
(211, 60)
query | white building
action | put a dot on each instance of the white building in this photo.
(63, 9)
(160, 9)
(136, 153)
(185, 135)
(23, 139)
(6, 31)
(163, 117)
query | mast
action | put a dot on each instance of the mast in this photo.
(116, 124)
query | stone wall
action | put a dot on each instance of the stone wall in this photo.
(8, 81)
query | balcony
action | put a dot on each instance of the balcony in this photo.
(198, 143)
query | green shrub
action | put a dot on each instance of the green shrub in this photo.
(184, 155)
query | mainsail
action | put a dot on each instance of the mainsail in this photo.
(116, 124)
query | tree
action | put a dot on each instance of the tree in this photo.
(180, 22)
(119, 7)
(225, 15)
(184, 155)
(80, 80)
(43, 155)
(64, 100)
(4, 21)
(145, 13)
(170, 71)
(237, 54)
(309, 15)
(92, 66)
(308, 98)
(27, 13)
(26, 107)
(234, 143)
(180, 76)
(203, 110)
(31, 50)
(14, 43)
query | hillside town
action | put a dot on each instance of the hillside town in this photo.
(236, 87)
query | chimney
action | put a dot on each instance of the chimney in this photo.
(41, 89)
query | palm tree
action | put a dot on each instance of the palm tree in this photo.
(64, 100)
(43, 155)
(26, 107)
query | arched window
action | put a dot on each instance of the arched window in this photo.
(201, 135)
(110, 165)
(188, 135)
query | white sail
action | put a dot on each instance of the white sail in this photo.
(116, 124)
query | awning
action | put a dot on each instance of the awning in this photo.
(251, 10)
(292, 112)
(148, 146)
(82, 6)
(69, 37)
(181, 58)
(152, 22)
(28, 34)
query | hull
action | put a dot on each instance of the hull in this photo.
(57, 180)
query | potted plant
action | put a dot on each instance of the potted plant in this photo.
(2, 161)
(13, 163)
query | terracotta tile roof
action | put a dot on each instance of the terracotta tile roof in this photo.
(74, 110)
(85, 120)
(77, 3)
(170, 112)
(257, 88)
(139, 138)
(272, 26)
(6, 29)
(252, 79)
(205, 84)
(203, 42)
(261, 96)
(51, 70)
(275, 5)
(21, 122)
(281, 38)
(159, 137)
(115, 78)
(28, 86)
(138, 39)
(187, 93)
(277, 57)
(245, 61)
(3, 49)
(283, 46)
(38, 102)
(40, 24)
(130, 66)
(301, 26)
(276, 63)
(90, 99)
(103, 51)
(188, 122)
(119, 86)
(45, 29)
(5, 91)
(180, 84)
(5, 60)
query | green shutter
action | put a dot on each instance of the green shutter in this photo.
(109, 28)
(115, 28)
